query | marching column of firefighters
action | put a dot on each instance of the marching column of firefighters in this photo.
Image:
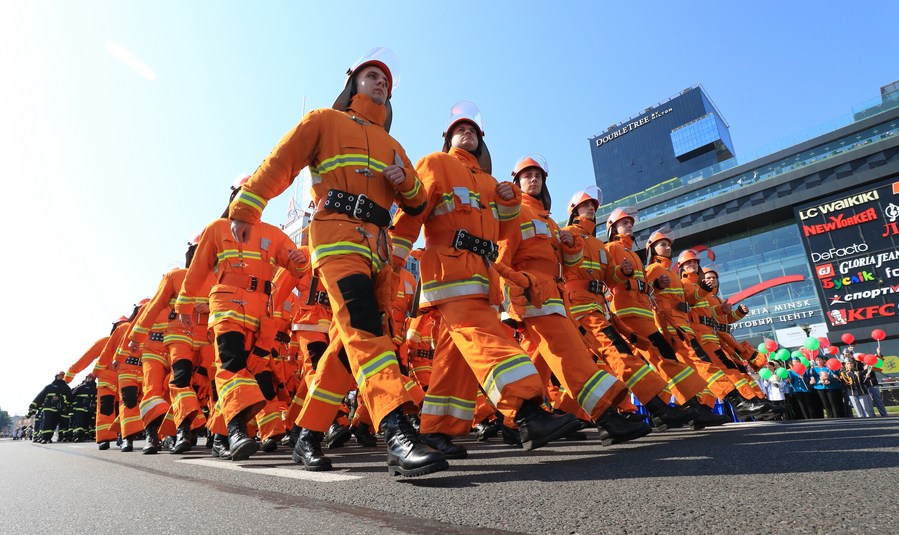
(514, 327)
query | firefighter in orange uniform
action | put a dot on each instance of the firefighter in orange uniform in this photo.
(632, 302)
(585, 284)
(743, 397)
(89, 356)
(239, 314)
(107, 384)
(466, 214)
(127, 363)
(358, 171)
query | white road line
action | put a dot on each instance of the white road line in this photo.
(319, 477)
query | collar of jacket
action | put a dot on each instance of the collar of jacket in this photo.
(626, 241)
(535, 203)
(469, 159)
(587, 226)
(666, 262)
(692, 277)
(364, 107)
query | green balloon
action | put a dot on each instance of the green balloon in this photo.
(811, 343)
(782, 354)
(783, 373)
(765, 373)
(879, 363)
(805, 362)
(762, 349)
(796, 354)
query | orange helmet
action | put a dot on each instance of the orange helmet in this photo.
(619, 214)
(382, 58)
(121, 319)
(143, 302)
(580, 198)
(531, 160)
(195, 240)
(686, 256)
(663, 233)
(710, 269)
(466, 111)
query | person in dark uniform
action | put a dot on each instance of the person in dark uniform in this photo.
(52, 402)
(85, 409)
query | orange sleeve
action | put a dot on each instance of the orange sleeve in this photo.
(140, 329)
(277, 172)
(89, 356)
(195, 286)
(109, 348)
(406, 227)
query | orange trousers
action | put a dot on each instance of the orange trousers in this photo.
(238, 390)
(718, 383)
(683, 381)
(107, 424)
(156, 369)
(129, 417)
(744, 384)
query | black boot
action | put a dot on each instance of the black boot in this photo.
(415, 420)
(537, 427)
(705, 417)
(406, 455)
(220, 447)
(511, 437)
(103, 445)
(663, 413)
(364, 436)
(270, 444)
(183, 442)
(486, 430)
(444, 443)
(242, 446)
(308, 451)
(745, 407)
(127, 444)
(615, 429)
(337, 436)
(292, 437)
(151, 446)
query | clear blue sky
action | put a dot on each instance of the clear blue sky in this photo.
(109, 169)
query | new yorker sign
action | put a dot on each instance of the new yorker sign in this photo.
(633, 125)
(852, 243)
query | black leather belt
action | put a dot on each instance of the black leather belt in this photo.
(595, 286)
(134, 361)
(322, 298)
(282, 337)
(479, 246)
(156, 337)
(425, 353)
(682, 306)
(173, 315)
(357, 206)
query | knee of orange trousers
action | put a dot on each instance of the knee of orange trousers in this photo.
(327, 389)
(499, 364)
(449, 404)
(561, 346)
(635, 372)
(371, 355)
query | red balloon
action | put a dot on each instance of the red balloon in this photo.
(824, 342)
(833, 350)
(848, 339)
(860, 357)
(834, 364)
(806, 353)
(878, 334)
(770, 345)
(799, 368)
(870, 360)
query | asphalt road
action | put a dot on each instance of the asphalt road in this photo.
(825, 476)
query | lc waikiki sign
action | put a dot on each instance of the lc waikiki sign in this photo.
(852, 243)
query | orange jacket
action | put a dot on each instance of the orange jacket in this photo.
(313, 316)
(630, 297)
(594, 266)
(701, 314)
(157, 314)
(89, 356)
(243, 271)
(403, 304)
(460, 195)
(671, 302)
(536, 249)
(347, 151)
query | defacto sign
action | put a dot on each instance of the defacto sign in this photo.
(852, 243)
(633, 125)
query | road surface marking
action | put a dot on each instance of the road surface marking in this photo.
(320, 477)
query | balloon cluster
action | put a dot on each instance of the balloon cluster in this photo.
(810, 349)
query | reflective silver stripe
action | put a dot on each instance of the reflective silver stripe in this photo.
(506, 372)
(594, 390)
(462, 409)
(308, 327)
(433, 291)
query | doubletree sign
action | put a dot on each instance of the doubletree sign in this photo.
(852, 242)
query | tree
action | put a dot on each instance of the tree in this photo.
(5, 421)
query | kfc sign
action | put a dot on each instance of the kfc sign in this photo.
(852, 315)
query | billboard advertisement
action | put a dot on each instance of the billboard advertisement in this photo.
(852, 243)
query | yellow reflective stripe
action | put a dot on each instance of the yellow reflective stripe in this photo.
(375, 365)
(344, 247)
(435, 290)
(506, 372)
(325, 396)
(268, 418)
(158, 358)
(236, 382)
(640, 374)
(462, 409)
(595, 389)
(552, 305)
(401, 246)
(141, 330)
(252, 200)
(507, 213)
(412, 192)
(635, 311)
(680, 377)
(182, 396)
(235, 253)
(715, 377)
(345, 160)
(176, 338)
(591, 264)
(233, 315)
(572, 259)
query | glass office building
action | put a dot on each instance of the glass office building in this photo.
(738, 213)
(672, 139)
